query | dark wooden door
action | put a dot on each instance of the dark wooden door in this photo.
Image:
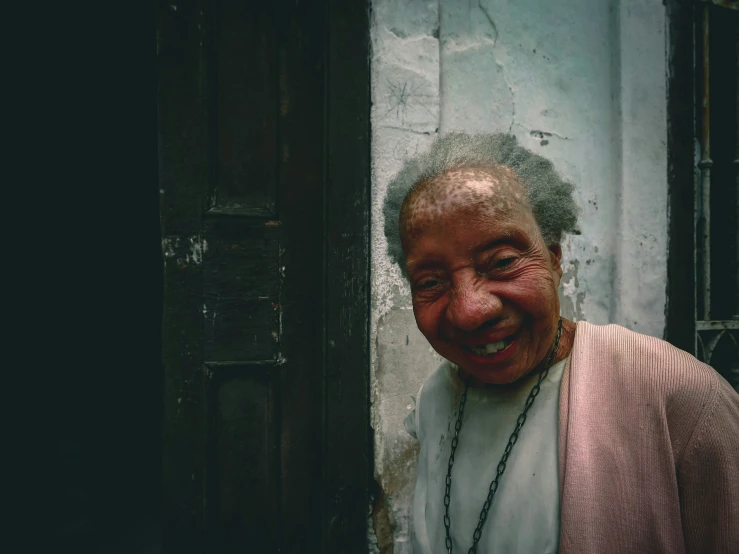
(264, 178)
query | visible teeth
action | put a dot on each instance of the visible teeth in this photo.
(491, 348)
(494, 346)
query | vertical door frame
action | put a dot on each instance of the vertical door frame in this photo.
(347, 212)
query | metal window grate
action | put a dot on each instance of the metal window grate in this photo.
(716, 221)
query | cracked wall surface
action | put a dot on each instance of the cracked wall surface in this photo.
(581, 82)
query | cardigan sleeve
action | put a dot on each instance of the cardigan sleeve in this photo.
(708, 476)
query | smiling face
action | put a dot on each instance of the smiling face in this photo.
(484, 284)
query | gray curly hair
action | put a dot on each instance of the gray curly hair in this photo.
(549, 196)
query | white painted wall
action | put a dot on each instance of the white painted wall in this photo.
(582, 82)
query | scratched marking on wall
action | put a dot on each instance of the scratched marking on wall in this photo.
(404, 97)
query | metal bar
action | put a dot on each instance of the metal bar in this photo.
(698, 349)
(705, 165)
(728, 4)
(716, 325)
(710, 341)
(736, 180)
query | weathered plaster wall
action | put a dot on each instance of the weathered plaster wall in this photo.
(580, 81)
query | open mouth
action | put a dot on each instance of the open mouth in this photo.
(492, 348)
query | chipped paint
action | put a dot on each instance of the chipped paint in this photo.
(196, 251)
(169, 246)
(185, 250)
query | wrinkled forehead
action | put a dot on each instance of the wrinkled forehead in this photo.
(494, 190)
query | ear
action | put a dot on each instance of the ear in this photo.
(555, 254)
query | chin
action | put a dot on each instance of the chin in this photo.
(505, 377)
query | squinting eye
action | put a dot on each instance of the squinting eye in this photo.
(505, 262)
(430, 283)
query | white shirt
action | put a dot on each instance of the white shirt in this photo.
(524, 516)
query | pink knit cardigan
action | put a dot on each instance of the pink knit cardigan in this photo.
(648, 449)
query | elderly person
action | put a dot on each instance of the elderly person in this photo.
(539, 434)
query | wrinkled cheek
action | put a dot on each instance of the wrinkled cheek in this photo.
(538, 298)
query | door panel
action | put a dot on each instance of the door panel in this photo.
(243, 459)
(240, 289)
(246, 66)
(264, 178)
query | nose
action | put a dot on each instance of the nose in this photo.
(473, 305)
